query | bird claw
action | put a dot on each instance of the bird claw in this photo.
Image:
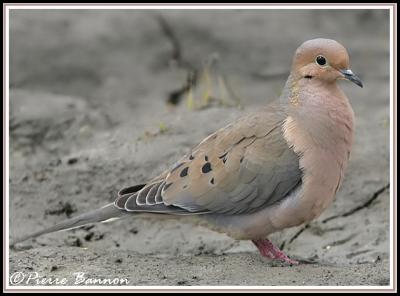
(268, 250)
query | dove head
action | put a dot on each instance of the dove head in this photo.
(323, 59)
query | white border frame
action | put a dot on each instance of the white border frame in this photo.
(193, 7)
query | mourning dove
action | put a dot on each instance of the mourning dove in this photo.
(276, 168)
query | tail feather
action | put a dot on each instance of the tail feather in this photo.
(103, 214)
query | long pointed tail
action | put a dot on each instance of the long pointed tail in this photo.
(103, 214)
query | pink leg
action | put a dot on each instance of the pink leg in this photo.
(267, 249)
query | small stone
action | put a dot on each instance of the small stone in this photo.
(54, 268)
(72, 160)
(134, 231)
(181, 283)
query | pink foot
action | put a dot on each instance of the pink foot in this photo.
(267, 249)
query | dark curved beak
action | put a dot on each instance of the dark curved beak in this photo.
(349, 75)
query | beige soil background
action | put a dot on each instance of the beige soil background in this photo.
(88, 115)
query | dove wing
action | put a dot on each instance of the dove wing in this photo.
(240, 168)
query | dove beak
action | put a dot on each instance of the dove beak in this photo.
(349, 75)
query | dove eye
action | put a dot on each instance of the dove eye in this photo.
(320, 60)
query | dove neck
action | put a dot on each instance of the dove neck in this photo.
(311, 94)
(320, 108)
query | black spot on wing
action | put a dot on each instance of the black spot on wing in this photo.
(206, 168)
(184, 172)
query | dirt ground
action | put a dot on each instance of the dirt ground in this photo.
(89, 115)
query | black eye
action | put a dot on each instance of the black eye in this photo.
(321, 60)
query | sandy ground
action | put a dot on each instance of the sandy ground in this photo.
(88, 115)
